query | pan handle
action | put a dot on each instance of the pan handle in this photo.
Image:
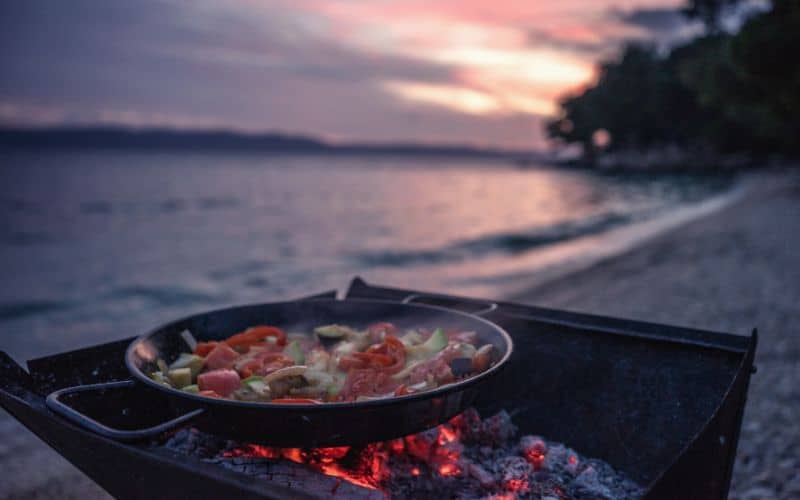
(488, 306)
(55, 403)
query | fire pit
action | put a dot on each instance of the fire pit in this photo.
(588, 407)
(468, 457)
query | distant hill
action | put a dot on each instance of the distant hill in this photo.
(121, 138)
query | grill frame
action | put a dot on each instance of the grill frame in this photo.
(696, 464)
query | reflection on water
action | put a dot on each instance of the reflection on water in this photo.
(104, 245)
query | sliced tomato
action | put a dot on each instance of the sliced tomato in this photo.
(221, 356)
(350, 362)
(255, 335)
(223, 382)
(366, 382)
(392, 348)
(436, 368)
(374, 358)
(362, 360)
(203, 348)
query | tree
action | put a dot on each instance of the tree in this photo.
(721, 92)
(638, 100)
(751, 77)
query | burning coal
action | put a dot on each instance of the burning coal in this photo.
(468, 457)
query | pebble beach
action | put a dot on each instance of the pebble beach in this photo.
(730, 271)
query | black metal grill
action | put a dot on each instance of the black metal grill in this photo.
(662, 404)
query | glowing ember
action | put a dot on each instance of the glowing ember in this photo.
(466, 457)
(365, 468)
(517, 485)
(535, 450)
(446, 434)
(449, 470)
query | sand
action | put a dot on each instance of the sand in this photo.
(732, 271)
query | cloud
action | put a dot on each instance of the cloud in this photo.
(663, 27)
(422, 70)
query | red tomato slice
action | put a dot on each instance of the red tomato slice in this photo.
(394, 350)
(374, 358)
(257, 334)
(203, 348)
(367, 382)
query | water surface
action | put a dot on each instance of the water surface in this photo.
(103, 245)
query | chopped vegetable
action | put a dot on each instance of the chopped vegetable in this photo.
(482, 358)
(257, 334)
(223, 381)
(203, 348)
(437, 341)
(337, 363)
(257, 385)
(379, 331)
(191, 361)
(335, 331)
(293, 351)
(180, 377)
(289, 371)
(221, 356)
(159, 377)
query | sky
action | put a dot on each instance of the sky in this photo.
(486, 73)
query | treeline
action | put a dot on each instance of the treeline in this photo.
(721, 93)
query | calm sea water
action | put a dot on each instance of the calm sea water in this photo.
(97, 246)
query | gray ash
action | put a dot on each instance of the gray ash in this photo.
(468, 457)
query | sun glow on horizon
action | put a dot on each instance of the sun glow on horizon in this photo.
(456, 98)
(493, 69)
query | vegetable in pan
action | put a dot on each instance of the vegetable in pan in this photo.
(335, 364)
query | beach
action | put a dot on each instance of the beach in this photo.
(730, 271)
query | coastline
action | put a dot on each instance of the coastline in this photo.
(732, 270)
(562, 260)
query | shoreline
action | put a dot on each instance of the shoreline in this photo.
(560, 261)
(731, 270)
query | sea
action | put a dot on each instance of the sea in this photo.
(103, 245)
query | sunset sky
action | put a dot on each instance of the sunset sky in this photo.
(480, 72)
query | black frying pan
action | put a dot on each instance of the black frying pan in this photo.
(296, 425)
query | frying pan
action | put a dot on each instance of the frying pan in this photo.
(295, 425)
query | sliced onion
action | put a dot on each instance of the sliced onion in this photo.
(289, 371)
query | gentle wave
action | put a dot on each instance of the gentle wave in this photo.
(162, 295)
(246, 268)
(17, 310)
(508, 243)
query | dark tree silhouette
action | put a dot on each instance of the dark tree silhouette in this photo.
(720, 92)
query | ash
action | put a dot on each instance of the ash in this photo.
(466, 458)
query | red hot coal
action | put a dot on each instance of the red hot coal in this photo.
(468, 457)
